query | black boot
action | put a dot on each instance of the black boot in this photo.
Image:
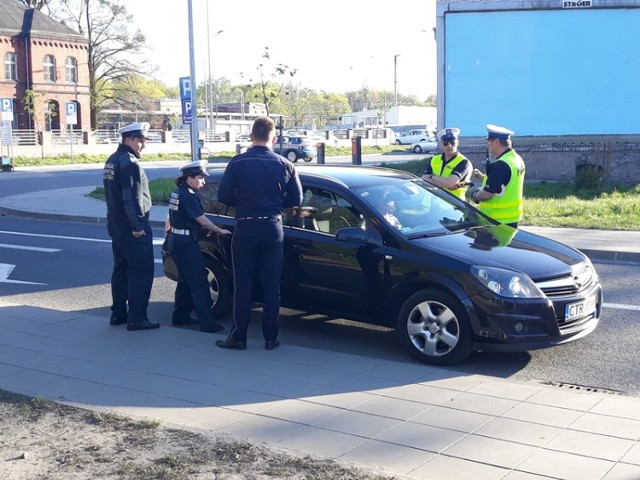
(143, 325)
(231, 343)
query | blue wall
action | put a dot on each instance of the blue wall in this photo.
(544, 72)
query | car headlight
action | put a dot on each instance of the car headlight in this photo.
(507, 283)
(594, 273)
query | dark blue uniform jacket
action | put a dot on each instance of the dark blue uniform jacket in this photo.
(126, 189)
(260, 183)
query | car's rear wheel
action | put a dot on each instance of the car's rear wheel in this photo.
(434, 327)
(417, 149)
(307, 159)
(292, 157)
(219, 287)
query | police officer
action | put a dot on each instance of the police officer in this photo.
(186, 219)
(449, 170)
(260, 184)
(502, 186)
(128, 199)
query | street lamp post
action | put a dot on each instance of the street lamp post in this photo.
(210, 87)
(192, 71)
(395, 79)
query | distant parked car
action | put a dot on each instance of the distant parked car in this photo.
(295, 147)
(242, 143)
(412, 136)
(423, 146)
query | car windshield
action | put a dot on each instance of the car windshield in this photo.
(417, 209)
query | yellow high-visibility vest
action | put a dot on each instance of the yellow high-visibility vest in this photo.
(506, 207)
(436, 166)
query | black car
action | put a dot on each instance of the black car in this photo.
(382, 246)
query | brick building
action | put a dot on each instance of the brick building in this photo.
(43, 56)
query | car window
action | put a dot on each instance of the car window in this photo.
(417, 209)
(209, 198)
(323, 211)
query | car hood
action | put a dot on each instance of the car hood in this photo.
(502, 246)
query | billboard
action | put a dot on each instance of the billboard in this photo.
(562, 71)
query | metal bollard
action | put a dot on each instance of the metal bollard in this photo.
(320, 147)
(356, 150)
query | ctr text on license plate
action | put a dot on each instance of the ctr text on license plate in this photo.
(580, 309)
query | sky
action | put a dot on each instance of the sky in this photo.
(334, 45)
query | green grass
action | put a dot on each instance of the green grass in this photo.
(606, 207)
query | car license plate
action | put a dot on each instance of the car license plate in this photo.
(580, 309)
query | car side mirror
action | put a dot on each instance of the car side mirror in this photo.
(358, 235)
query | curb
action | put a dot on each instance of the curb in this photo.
(5, 211)
(611, 256)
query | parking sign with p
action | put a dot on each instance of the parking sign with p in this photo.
(6, 106)
(72, 113)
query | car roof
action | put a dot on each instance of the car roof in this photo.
(350, 176)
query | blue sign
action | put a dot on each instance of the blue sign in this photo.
(186, 111)
(6, 107)
(71, 109)
(6, 104)
(185, 88)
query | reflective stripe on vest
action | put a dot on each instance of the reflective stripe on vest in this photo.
(507, 207)
(436, 166)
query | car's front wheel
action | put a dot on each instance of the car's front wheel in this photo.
(307, 159)
(292, 157)
(398, 142)
(417, 149)
(434, 327)
(219, 287)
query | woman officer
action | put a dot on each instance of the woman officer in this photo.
(186, 218)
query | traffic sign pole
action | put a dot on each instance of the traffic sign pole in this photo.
(72, 119)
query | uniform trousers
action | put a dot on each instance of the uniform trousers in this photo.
(133, 272)
(192, 289)
(257, 250)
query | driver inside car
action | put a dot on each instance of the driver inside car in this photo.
(388, 208)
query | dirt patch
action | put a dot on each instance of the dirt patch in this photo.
(43, 440)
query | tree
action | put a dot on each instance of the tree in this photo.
(304, 106)
(30, 102)
(266, 88)
(114, 56)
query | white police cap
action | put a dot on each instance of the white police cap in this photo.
(199, 167)
(448, 134)
(494, 131)
(138, 129)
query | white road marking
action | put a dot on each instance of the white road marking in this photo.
(621, 306)
(55, 236)
(35, 249)
(156, 241)
(5, 271)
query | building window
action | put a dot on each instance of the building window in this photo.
(49, 68)
(11, 67)
(71, 70)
